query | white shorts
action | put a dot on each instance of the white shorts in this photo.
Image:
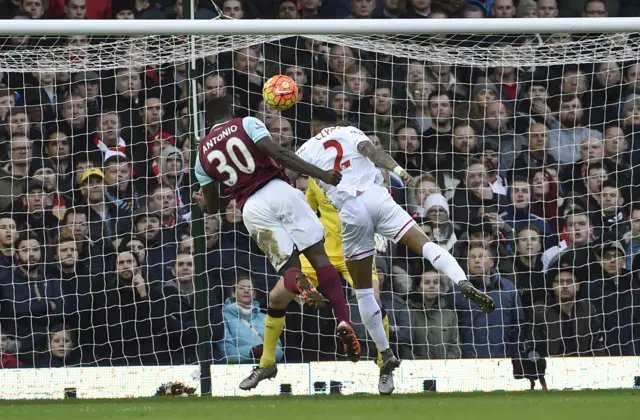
(373, 211)
(279, 219)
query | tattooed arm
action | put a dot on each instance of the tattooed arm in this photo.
(382, 159)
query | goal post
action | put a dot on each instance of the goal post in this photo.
(154, 78)
(321, 26)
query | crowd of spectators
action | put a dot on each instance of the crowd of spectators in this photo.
(526, 175)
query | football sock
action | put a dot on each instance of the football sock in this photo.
(330, 286)
(372, 317)
(385, 325)
(273, 325)
(443, 262)
(290, 280)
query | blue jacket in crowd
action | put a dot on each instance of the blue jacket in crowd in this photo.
(243, 331)
(493, 335)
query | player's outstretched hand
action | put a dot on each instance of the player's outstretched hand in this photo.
(406, 178)
(332, 177)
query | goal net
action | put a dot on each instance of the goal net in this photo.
(522, 147)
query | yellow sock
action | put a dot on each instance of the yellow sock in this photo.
(385, 324)
(272, 330)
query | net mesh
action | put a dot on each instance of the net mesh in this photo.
(523, 153)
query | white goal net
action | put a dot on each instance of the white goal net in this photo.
(522, 147)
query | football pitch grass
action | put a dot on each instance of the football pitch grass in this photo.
(579, 405)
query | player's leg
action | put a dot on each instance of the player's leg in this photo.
(385, 316)
(261, 218)
(341, 266)
(443, 261)
(359, 250)
(397, 225)
(330, 285)
(329, 281)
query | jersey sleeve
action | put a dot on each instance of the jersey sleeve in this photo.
(201, 175)
(255, 128)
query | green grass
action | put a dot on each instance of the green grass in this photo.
(579, 405)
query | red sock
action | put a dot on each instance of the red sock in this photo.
(290, 280)
(330, 286)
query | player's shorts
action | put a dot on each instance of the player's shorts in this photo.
(340, 265)
(373, 211)
(279, 220)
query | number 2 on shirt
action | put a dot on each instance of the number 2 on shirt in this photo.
(338, 165)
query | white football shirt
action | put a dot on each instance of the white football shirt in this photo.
(337, 148)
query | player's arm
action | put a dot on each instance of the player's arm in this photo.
(208, 197)
(289, 160)
(286, 158)
(382, 159)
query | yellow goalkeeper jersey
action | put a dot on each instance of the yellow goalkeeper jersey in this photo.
(328, 217)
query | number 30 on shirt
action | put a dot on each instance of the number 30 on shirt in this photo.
(233, 147)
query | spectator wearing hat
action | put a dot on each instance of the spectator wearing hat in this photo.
(534, 106)
(86, 85)
(437, 210)
(616, 295)
(107, 218)
(495, 334)
(124, 9)
(118, 179)
(434, 327)
(33, 214)
(567, 326)
(14, 169)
